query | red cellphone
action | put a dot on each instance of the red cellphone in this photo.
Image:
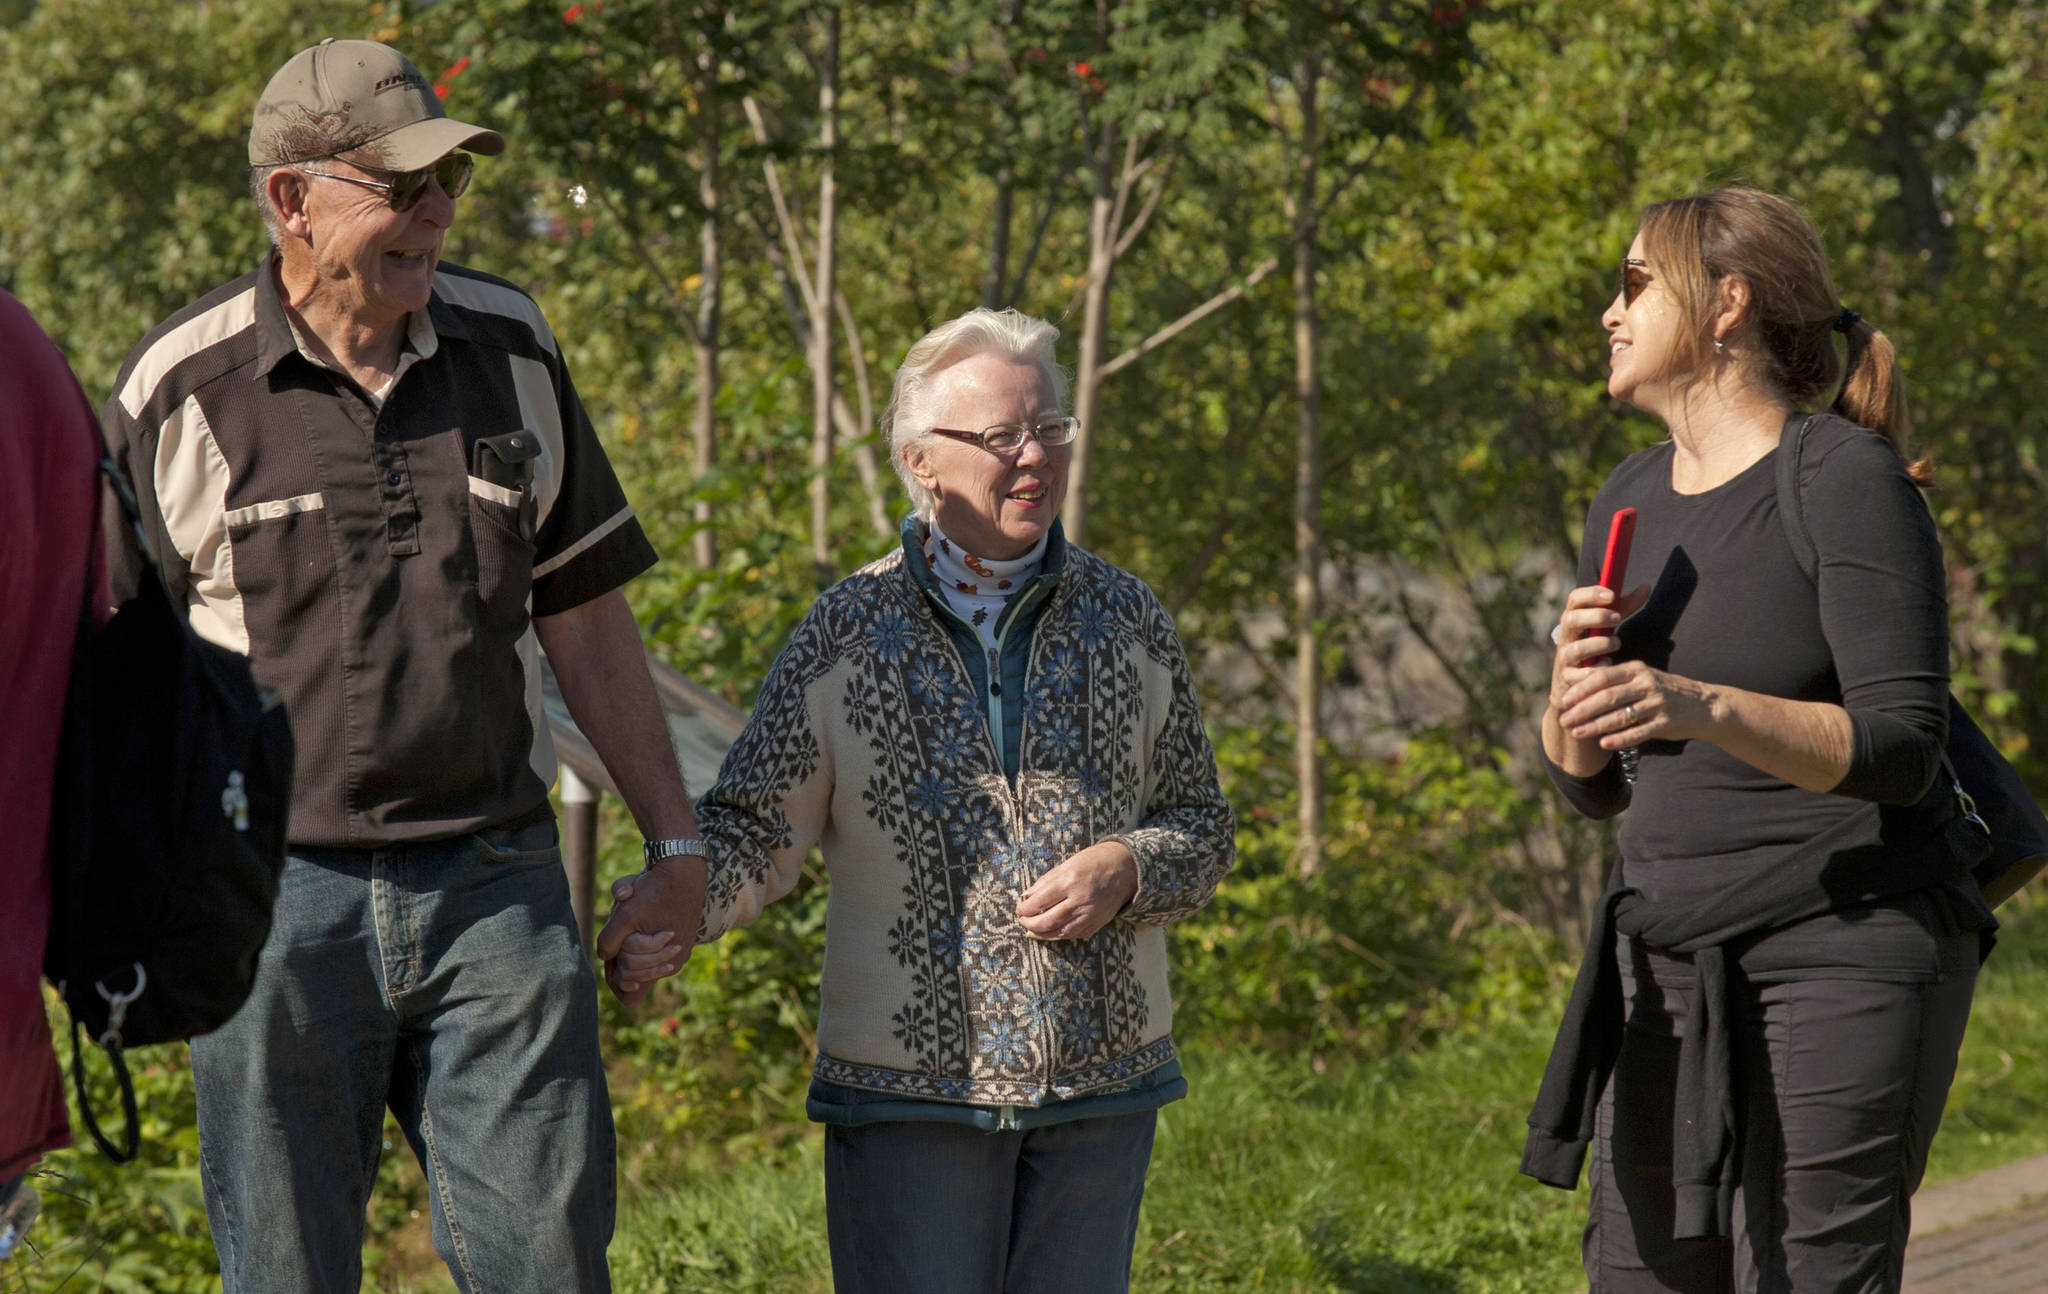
(1621, 532)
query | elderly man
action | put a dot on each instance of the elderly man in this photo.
(370, 471)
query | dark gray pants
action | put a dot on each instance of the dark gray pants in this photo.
(1842, 1072)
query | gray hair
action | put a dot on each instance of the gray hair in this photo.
(315, 137)
(259, 189)
(907, 422)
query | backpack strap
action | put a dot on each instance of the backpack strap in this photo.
(131, 1137)
(1791, 441)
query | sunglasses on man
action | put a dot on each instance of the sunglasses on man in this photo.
(405, 188)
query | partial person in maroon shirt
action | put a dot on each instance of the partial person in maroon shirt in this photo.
(49, 547)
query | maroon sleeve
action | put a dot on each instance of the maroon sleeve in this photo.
(49, 538)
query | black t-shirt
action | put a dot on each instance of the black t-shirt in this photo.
(1729, 605)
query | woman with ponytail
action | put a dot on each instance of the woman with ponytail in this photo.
(1765, 1026)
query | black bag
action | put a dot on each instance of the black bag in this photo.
(1991, 793)
(167, 830)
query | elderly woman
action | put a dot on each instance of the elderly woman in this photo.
(995, 735)
(1765, 1026)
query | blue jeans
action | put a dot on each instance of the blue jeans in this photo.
(942, 1208)
(444, 980)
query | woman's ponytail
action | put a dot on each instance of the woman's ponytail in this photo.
(1874, 394)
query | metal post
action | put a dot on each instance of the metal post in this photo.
(579, 847)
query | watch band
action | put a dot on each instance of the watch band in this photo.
(687, 846)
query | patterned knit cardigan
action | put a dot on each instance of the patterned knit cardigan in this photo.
(869, 738)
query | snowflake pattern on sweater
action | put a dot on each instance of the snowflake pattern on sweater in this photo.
(869, 734)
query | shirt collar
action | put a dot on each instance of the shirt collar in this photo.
(278, 337)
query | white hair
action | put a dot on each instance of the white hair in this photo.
(907, 422)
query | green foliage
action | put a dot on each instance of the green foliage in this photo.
(133, 1229)
(1400, 937)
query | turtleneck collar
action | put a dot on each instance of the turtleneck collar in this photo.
(976, 587)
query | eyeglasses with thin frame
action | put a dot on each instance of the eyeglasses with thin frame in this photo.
(405, 188)
(1635, 277)
(1009, 437)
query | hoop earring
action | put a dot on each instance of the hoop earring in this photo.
(1719, 345)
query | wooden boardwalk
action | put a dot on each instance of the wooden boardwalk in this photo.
(2007, 1254)
(1984, 1235)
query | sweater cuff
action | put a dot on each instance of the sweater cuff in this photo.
(1696, 1210)
(1553, 1160)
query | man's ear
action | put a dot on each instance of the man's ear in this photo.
(287, 191)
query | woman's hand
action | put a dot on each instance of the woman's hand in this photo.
(642, 941)
(1081, 895)
(1593, 610)
(1618, 706)
(1585, 638)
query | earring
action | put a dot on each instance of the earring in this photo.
(1720, 345)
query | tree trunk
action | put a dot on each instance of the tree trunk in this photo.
(1308, 490)
(1102, 234)
(821, 304)
(705, 542)
(996, 281)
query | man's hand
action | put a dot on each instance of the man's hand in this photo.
(652, 927)
(1081, 895)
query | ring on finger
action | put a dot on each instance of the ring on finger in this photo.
(1629, 713)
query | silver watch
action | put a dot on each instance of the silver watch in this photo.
(656, 850)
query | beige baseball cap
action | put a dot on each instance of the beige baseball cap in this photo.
(361, 99)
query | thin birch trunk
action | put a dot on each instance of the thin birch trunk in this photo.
(1102, 239)
(705, 340)
(821, 303)
(1308, 489)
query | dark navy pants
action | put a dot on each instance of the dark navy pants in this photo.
(941, 1208)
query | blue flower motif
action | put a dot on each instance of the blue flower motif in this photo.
(928, 682)
(950, 747)
(947, 942)
(990, 979)
(1082, 1033)
(1004, 1044)
(1093, 624)
(1010, 863)
(1094, 783)
(1059, 739)
(889, 635)
(1059, 822)
(1041, 1005)
(928, 794)
(1062, 676)
(970, 826)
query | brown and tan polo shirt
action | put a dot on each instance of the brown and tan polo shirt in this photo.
(343, 543)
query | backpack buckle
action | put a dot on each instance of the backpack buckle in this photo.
(1969, 809)
(117, 1005)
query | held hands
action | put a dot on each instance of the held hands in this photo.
(1617, 706)
(1081, 895)
(652, 927)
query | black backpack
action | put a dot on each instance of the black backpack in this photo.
(167, 830)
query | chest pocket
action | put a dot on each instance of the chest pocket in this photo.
(503, 514)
